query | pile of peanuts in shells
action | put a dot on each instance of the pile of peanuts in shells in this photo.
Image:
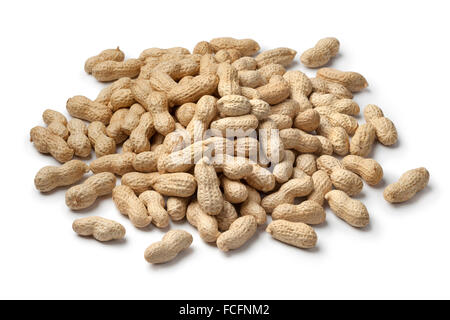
(161, 106)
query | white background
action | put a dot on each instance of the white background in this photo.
(402, 47)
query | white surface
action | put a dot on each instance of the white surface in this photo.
(400, 46)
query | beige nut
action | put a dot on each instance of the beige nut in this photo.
(100, 228)
(297, 234)
(321, 53)
(352, 211)
(226, 217)
(78, 140)
(169, 247)
(252, 206)
(118, 163)
(47, 142)
(368, 169)
(309, 212)
(51, 177)
(176, 207)
(105, 55)
(56, 122)
(85, 109)
(131, 206)
(240, 231)
(411, 182)
(103, 144)
(209, 195)
(156, 208)
(206, 225)
(353, 81)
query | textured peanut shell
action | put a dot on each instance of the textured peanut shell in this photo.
(84, 195)
(205, 112)
(203, 47)
(185, 113)
(122, 98)
(51, 177)
(272, 69)
(251, 78)
(270, 141)
(176, 207)
(156, 208)
(140, 136)
(85, 109)
(131, 206)
(193, 90)
(337, 136)
(169, 247)
(105, 55)
(363, 139)
(234, 191)
(118, 163)
(114, 129)
(282, 56)
(157, 105)
(326, 147)
(281, 121)
(283, 170)
(247, 47)
(113, 70)
(336, 89)
(234, 168)
(261, 179)
(228, 80)
(297, 234)
(235, 124)
(309, 212)
(353, 81)
(175, 184)
(105, 94)
(411, 182)
(352, 211)
(209, 195)
(146, 161)
(131, 119)
(226, 217)
(368, 169)
(78, 140)
(322, 185)
(299, 140)
(244, 63)
(139, 182)
(328, 163)
(346, 181)
(227, 55)
(307, 163)
(56, 123)
(233, 105)
(307, 120)
(288, 107)
(103, 144)
(321, 53)
(100, 228)
(276, 91)
(238, 234)
(47, 142)
(252, 206)
(385, 130)
(337, 119)
(345, 106)
(206, 225)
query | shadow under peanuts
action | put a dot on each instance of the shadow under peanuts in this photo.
(182, 256)
(242, 249)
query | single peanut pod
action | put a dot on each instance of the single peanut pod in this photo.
(122, 98)
(185, 113)
(309, 212)
(251, 78)
(240, 231)
(411, 182)
(328, 163)
(352, 211)
(234, 191)
(337, 119)
(103, 144)
(114, 129)
(384, 127)
(140, 89)
(234, 168)
(208, 65)
(363, 139)
(235, 126)
(146, 161)
(272, 145)
(205, 112)
(169, 247)
(179, 68)
(176, 207)
(193, 90)
(47, 142)
(368, 169)
(308, 120)
(131, 120)
(326, 146)
(228, 80)
(140, 136)
(276, 91)
(299, 140)
(282, 56)
(281, 121)
(283, 170)
(226, 217)
(51, 177)
(56, 122)
(323, 86)
(84, 195)
(345, 106)
(131, 206)
(203, 47)
(206, 225)
(227, 55)
(261, 179)
(104, 96)
(100, 228)
(139, 182)
(158, 107)
(260, 109)
(175, 184)
(252, 207)
(337, 136)
(247, 47)
(105, 55)
(307, 163)
(209, 195)
(322, 185)
(244, 63)
(346, 181)
(297, 234)
(272, 69)
(300, 88)
(118, 163)
(246, 147)
(85, 109)
(288, 192)
(161, 81)
(156, 208)
(321, 53)
(159, 53)
(288, 107)
(112, 70)
(78, 140)
(233, 105)
(250, 93)
(353, 81)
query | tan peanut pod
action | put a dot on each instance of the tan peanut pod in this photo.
(146, 162)
(261, 179)
(185, 113)
(114, 129)
(251, 78)
(297, 234)
(203, 47)
(113, 70)
(345, 106)
(126, 146)
(175, 140)
(209, 195)
(271, 143)
(131, 120)
(56, 122)
(322, 185)
(309, 212)
(105, 55)
(228, 80)
(247, 47)
(233, 105)
(175, 184)
(298, 173)
(353, 81)
(131, 206)
(84, 195)
(118, 163)
(328, 164)
(205, 112)
(246, 147)
(227, 55)
(234, 191)
(250, 93)
(103, 144)
(177, 69)
(276, 91)
(346, 181)
(105, 94)
(78, 140)
(411, 182)
(288, 107)
(158, 107)
(100, 228)
(182, 160)
(363, 139)
(140, 136)
(176, 207)
(384, 127)
(122, 98)
(337, 136)
(272, 69)
(169, 247)
(352, 211)
(326, 146)
(307, 163)
(85, 109)
(234, 168)
(308, 120)
(283, 56)
(185, 79)
(337, 119)
(206, 225)
(260, 109)
(193, 90)
(283, 170)
(288, 192)
(208, 65)
(252, 207)
(235, 125)
(240, 231)
(300, 88)
(368, 169)
(158, 52)
(161, 81)
(47, 142)
(244, 63)
(336, 89)
(141, 88)
(281, 121)
(139, 182)
(321, 53)
(299, 140)
(51, 177)
(156, 208)
(226, 217)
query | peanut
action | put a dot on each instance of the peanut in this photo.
(159, 53)
(47, 142)
(112, 70)
(326, 146)
(209, 196)
(131, 206)
(203, 47)
(233, 105)
(228, 80)
(131, 120)
(140, 89)
(103, 144)
(240, 231)
(226, 217)
(336, 89)
(193, 90)
(114, 129)
(139, 182)
(299, 140)
(122, 98)
(368, 169)
(176, 207)
(175, 184)
(309, 212)
(283, 170)
(288, 107)
(105, 55)
(320, 55)
(337, 136)
(252, 206)
(251, 78)
(84, 195)
(353, 81)
(227, 55)
(169, 247)
(235, 125)
(146, 161)
(271, 143)
(100, 228)
(384, 127)
(322, 185)
(337, 119)
(259, 108)
(300, 88)
(352, 211)
(118, 163)
(308, 120)
(363, 139)
(247, 47)
(282, 56)
(185, 113)
(341, 105)
(158, 107)
(85, 109)
(233, 191)
(276, 91)
(234, 168)
(206, 225)
(411, 182)
(208, 65)
(244, 63)
(205, 111)
(140, 136)
(261, 179)
(307, 163)
(51, 177)
(281, 121)
(296, 234)
(104, 96)
(272, 69)
(156, 208)
(56, 123)
(78, 140)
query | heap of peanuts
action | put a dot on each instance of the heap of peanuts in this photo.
(161, 108)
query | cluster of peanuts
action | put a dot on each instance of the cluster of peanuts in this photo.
(160, 107)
